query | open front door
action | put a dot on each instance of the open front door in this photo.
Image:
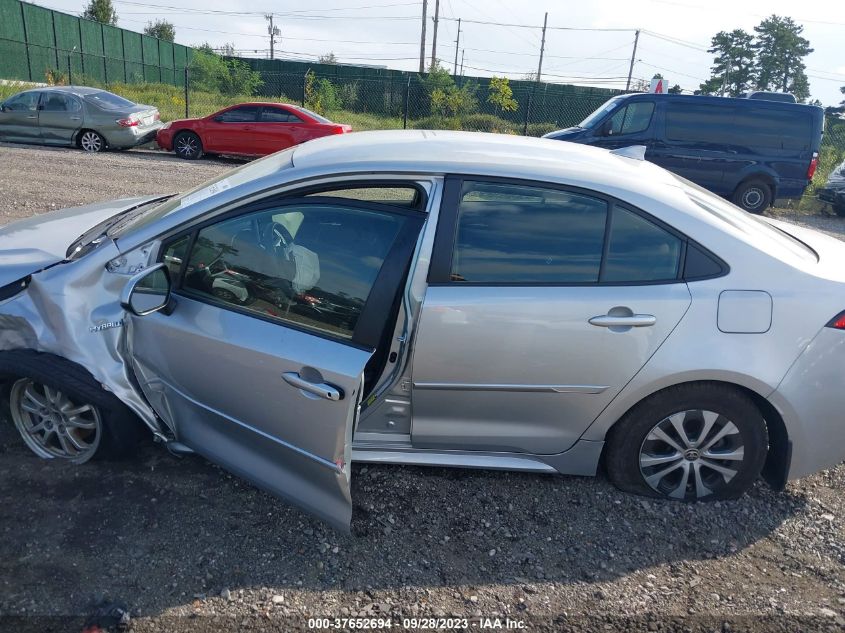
(261, 362)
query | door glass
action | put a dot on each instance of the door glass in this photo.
(399, 195)
(640, 250)
(277, 115)
(519, 234)
(311, 265)
(633, 118)
(56, 102)
(243, 114)
(27, 101)
(699, 123)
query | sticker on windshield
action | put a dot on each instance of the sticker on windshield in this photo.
(206, 192)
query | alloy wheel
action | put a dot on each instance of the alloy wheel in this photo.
(691, 454)
(187, 146)
(91, 142)
(54, 425)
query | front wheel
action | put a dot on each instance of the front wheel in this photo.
(702, 441)
(188, 145)
(62, 412)
(753, 196)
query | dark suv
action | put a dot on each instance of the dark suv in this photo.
(752, 151)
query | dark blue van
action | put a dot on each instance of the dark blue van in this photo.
(751, 151)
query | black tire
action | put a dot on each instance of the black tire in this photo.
(121, 430)
(754, 196)
(630, 439)
(188, 145)
(91, 141)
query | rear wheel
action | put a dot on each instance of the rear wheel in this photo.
(692, 442)
(188, 145)
(754, 196)
(62, 412)
(91, 141)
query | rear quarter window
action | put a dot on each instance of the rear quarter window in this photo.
(774, 128)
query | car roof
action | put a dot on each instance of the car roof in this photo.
(443, 152)
(740, 101)
(75, 90)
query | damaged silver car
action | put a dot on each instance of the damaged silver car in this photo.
(447, 299)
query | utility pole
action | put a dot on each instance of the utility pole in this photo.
(462, 62)
(422, 38)
(434, 35)
(272, 31)
(542, 47)
(457, 44)
(633, 59)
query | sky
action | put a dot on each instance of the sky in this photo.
(673, 41)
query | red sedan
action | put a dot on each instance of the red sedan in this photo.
(248, 129)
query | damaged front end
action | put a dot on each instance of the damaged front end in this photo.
(833, 191)
(64, 299)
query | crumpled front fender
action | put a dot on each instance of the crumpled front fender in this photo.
(73, 310)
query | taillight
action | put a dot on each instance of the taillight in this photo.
(128, 122)
(814, 163)
(837, 322)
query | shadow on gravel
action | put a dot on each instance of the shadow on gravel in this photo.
(159, 531)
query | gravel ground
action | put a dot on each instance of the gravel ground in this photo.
(188, 547)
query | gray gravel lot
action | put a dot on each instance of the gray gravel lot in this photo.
(190, 548)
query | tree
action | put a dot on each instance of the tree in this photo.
(209, 72)
(162, 29)
(676, 89)
(100, 11)
(733, 67)
(445, 97)
(500, 94)
(780, 56)
(328, 58)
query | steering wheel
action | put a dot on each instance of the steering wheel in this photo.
(275, 236)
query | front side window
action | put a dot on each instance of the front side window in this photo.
(243, 114)
(312, 265)
(519, 234)
(398, 195)
(27, 101)
(633, 118)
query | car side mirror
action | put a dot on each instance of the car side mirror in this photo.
(148, 292)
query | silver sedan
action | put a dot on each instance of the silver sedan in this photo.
(75, 116)
(443, 299)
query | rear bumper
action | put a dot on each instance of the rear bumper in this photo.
(132, 136)
(811, 400)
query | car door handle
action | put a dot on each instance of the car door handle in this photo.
(32, 116)
(317, 388)
(75, 118)
(635, 320)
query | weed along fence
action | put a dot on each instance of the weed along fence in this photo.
(407, 96)
(37, 44)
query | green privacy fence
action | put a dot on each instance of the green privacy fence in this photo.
(35, 40)
(386, 92)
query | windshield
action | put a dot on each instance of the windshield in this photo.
(313, 115)
(108, 101)
(232, 178)
(598, 115)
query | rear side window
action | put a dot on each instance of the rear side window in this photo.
(519, 234)
(633, 118)
(699, 123)
(108, 101)
(774, 128)
(277, 115)
(516, 234)
(639, 250)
